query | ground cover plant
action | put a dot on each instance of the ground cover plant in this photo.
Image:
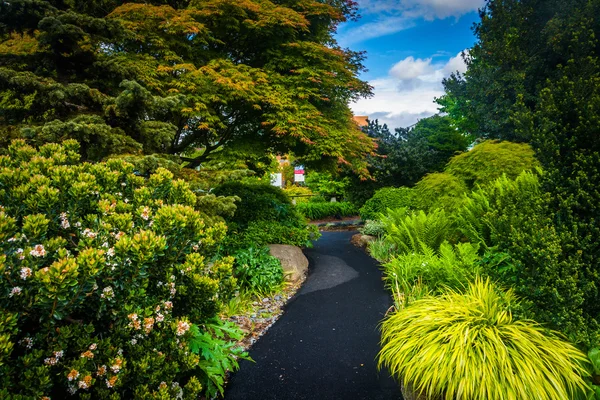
(108, 280)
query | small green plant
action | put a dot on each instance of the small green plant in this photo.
(216, 344)
(373, 228)
(257, 270)
(385, 198)
(469, 346)
(381, 250)
(314, 211)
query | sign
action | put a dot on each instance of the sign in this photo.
(299, 173)
(277, 180)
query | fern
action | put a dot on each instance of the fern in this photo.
(415, 232)
(450, 266)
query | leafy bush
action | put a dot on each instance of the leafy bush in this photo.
(373, 228)
(299, 194)
(327, 185)
(264, 215)
(439, 190)
(469, 346)
(315, 211)
(259, 202)
(257, 270)
(414, 232)
(261, 233)
(102, 274)
(490, 160)
(451, 266)
(387, 198)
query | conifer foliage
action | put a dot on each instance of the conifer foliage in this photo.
(181, 77)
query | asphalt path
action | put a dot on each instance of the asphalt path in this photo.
(325, 345)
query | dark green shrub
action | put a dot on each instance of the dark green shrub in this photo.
(259, 202)
(257, 270)
(513, 220)
(103, 274)
(261, 233)
(439, 190)
(315, 211)
(387, 198)
(490, 160)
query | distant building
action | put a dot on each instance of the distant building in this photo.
(361, 120)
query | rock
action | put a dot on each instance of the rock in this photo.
(360, 240)
(293, 261)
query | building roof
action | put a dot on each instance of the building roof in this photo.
(361, 120)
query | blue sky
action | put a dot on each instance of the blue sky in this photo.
(411, 46)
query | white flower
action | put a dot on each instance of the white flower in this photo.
(145, 213)
(110, 252)
(182, 328)
(105, 244)
(25, 273)
(133, 341)
(27, 342)
(160, 317)
(20, 253)
(123, 184)
(89, 233)
(93, 346)
(15, 291)
(107, 293)
(64, 222)
(38, 251)
(59, 354)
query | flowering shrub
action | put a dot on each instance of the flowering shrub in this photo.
(103, 275)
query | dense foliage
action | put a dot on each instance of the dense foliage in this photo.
(185, 78)
(264, 215)
(257, 270)
(103, 276)
(406, 155)
(314, 211)
(385, 198)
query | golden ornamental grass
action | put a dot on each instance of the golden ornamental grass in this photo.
(468, 346)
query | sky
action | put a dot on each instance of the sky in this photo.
(411, 46)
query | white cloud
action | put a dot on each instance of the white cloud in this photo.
(397, 15)
(411, 68)
(407, 93)
(457, 64)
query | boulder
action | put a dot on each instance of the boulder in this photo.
(293, 261)
(360, 240)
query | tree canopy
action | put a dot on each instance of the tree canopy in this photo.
(182, 77)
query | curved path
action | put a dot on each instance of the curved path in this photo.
(324, 346)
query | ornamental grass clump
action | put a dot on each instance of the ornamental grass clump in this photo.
(103, 276)
(469, 346)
